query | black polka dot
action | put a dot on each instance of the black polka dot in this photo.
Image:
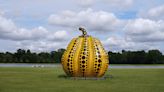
(83, 57)
(83, 61)
(99, 60)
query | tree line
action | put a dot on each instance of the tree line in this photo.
(136, 57)
(124, 57)
(26, 56)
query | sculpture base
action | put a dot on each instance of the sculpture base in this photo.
(87, 78)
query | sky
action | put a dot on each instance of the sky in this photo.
(47, 25)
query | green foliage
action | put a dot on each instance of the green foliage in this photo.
(136, 57)
(26, 56)
(154, 56)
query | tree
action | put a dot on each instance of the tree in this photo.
(8, 57)
(19, 55)
(154, 56)
(57, 55)
(44, 57)
(2, 57)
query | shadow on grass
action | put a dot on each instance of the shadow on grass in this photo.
(63, 76)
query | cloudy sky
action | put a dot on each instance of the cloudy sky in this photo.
(46, 25)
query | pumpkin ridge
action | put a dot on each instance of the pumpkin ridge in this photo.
(91, 57)
(103, 58)
(83, 57)
(76, 57)
(65, 56)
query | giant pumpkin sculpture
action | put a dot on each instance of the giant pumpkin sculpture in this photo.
(85, 57)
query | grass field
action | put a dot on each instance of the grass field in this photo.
(51, 80)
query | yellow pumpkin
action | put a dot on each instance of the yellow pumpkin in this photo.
(85, 57)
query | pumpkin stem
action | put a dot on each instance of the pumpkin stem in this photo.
(83, 31)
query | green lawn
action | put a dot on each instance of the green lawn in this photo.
(51, 80)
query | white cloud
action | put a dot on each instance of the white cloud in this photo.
(145, 30)
(6, 25)
(58, 36)
(141, 26)
(153, 13)
(118, 43)
(141, 33)
(11, 32)
(132, 34)
(41, 45)
(36, 39)
(99, 20)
